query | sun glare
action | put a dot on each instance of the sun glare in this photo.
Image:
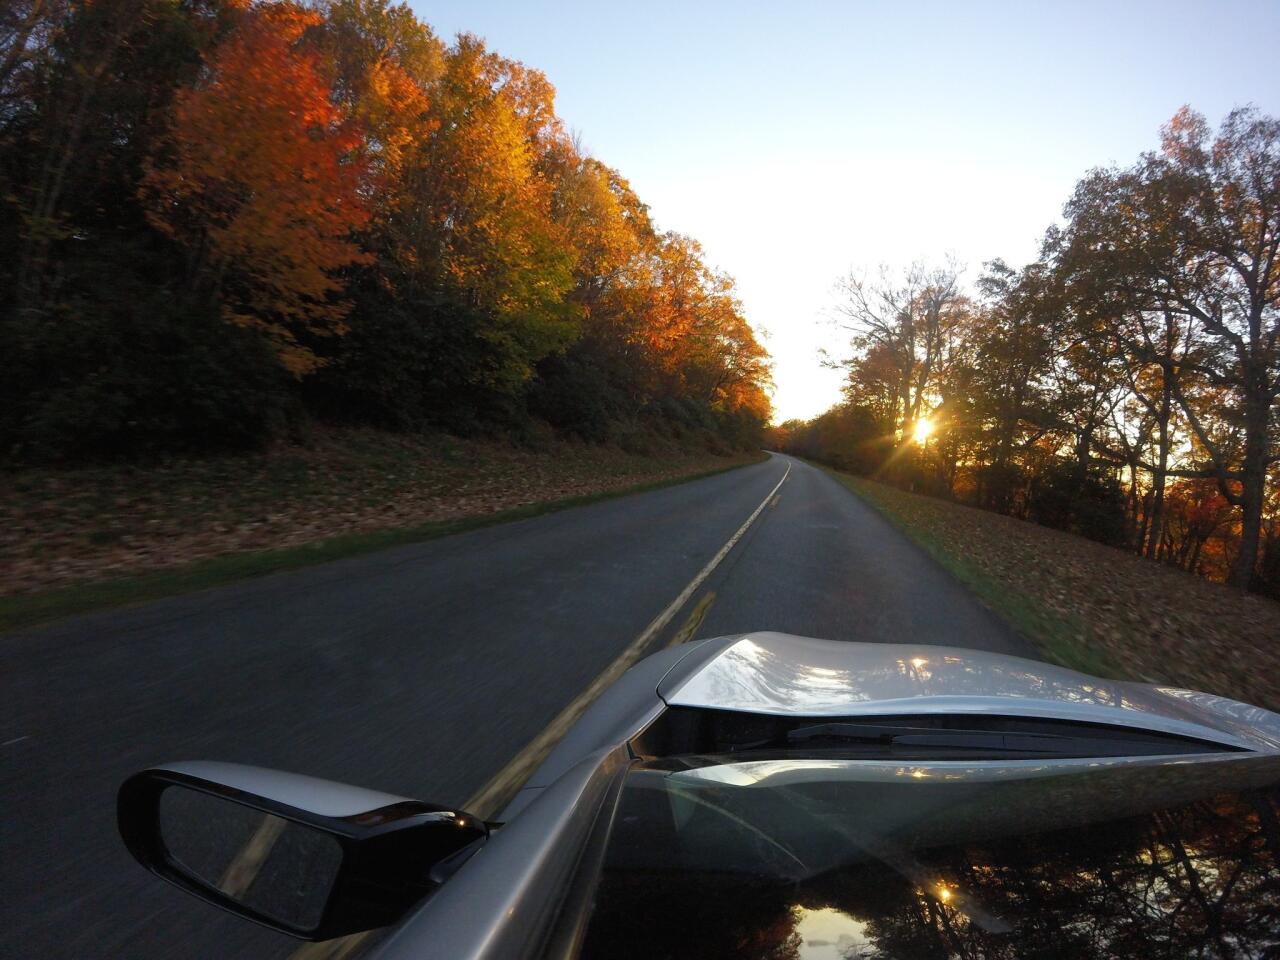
(923, 430)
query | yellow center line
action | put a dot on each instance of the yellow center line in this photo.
(495, 794)
(690, 626)
(331, 949)
(243, 869)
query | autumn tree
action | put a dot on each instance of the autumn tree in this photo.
(1193, 233)
(694, 332)
(1013, 342)
(305, 171)
(385, 62)
(1100, 388)
(910, 320)
(256, 179)
(83, 83)
(599, 382)
(104, 356)
(473, 274)
(1196, 510)
(28, 31)
(607, 226)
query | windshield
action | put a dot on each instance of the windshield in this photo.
(820, 859)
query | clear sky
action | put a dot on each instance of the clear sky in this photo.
(798, 140)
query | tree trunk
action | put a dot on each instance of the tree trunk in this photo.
(1131, 509)
(1159, 475)
(1195, 555)
(70, 109)
(1253, 489)
(1084, 447)
(1250, 530)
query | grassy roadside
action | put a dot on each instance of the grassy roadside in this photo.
(1092, 607)
(30, 608)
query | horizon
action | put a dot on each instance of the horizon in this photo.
(844, 159)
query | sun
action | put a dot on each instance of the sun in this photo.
(923, 430)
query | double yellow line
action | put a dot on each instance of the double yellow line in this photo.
(495, 794)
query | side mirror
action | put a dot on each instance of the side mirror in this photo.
(309, 857)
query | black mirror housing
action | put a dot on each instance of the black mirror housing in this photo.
(380, 851)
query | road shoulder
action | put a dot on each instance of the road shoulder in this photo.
(1092, 607)
(20, 610)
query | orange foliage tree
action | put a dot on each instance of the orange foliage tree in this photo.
(257, 177)
(696, 331)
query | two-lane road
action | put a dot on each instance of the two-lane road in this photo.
(422, 670)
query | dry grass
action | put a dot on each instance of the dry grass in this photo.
(1097, 608)
(62, 527)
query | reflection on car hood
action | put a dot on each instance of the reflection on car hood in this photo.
(780, 674)
(802, 858)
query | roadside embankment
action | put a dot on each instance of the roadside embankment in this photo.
(75, 539)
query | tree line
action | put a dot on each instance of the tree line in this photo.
(218, 217)
(1123, 386)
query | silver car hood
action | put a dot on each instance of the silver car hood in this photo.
(781, 674)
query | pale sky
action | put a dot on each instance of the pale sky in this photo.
(798, 140)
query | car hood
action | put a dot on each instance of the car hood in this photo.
(781, 674)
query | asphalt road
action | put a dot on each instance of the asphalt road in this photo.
(420, 670)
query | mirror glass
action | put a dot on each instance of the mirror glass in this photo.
(279, 868)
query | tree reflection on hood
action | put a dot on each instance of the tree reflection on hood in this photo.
(1198, 879)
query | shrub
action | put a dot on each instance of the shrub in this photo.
(90, 381)
(1092, 506)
